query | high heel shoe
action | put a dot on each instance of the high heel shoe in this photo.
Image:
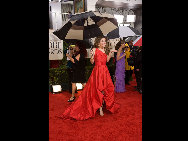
(72, 99)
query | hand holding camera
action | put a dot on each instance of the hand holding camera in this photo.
(67, 55)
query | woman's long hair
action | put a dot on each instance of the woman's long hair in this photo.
(82, 48)
(119, 44)
(97, 41)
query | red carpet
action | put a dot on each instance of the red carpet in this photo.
(126, 125)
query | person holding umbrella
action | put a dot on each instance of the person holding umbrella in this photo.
(99, 90)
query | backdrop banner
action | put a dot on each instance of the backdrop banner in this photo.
(56, 50)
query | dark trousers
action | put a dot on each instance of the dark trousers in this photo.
(128, 74)
(138, 75)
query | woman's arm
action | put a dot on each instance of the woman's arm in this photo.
(110, 55)
(73, 60)
(119, 52)
(118, 55)
(92, 55)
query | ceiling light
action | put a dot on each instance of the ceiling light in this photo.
(119, 18)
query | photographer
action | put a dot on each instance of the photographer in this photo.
(78, 67)
(71, 52)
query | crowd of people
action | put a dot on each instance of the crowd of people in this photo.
(98, 92)
(128, 59)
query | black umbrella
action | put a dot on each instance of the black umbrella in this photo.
(87, 25)
(113, 34)
(131, 38)
(135, 30)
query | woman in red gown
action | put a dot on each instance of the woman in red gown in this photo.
(98, 90)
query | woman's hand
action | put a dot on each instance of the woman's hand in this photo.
(110, 54)
(124, 54)
(71, 59)
(122, 46)
(91, 53)
(113, 51)
(67, 55)
(92, 57)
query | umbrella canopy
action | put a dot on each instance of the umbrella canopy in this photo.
(131, 38)
(135, 30)
(52, 37)
(122, 31)
(138, 41)
(87, 25)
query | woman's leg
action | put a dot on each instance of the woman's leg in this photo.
(83, 84)
(70, 79)
(73, 90)
(100, 109)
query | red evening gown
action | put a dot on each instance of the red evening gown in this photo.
(91, 98)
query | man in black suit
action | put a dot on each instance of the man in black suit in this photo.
(138, 69)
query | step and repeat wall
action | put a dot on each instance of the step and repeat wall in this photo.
(55, 50)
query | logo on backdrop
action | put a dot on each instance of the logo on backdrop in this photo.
(55, 50)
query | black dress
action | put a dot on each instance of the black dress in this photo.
(78, 69)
